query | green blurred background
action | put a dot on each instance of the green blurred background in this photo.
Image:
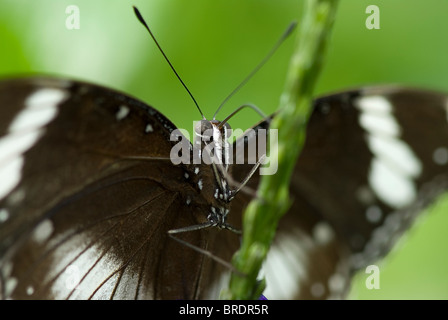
(214, 45)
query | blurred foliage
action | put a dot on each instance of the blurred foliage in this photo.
(214, 45)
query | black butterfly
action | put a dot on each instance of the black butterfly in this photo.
(88, 194)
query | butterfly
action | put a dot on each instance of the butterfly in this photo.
(88, 194)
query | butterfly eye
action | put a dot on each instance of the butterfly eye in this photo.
(204, 129)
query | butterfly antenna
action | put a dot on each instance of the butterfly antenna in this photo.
(285, 35)
(140, 18)
(247, 105)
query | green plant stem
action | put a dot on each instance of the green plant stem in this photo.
(262, 215)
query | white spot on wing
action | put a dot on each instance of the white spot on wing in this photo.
(374, 214)
(337, 283)
(317, 290)
(440, 156)
(390, 186)
(397, 151)
(379, 125)
(323, 233)
(394, 166)
(29, 290)
(149, 128)
(365, 195)
(10, 286)
(43, 231)
(374, 104)
(4, 215)
(122, 112)
(24, 131)
(7, 269)
(33, 118)
(286, 265)
(10, 174)
(16, 197)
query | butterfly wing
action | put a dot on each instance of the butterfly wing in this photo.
(372, 160)
(88, 195)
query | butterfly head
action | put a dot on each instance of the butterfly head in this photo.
(212, 130)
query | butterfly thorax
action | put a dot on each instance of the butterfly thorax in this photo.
(212, 147)
(211, 193)
(210, 142)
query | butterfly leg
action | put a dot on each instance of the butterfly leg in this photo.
(242, 185)
(200, 250)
